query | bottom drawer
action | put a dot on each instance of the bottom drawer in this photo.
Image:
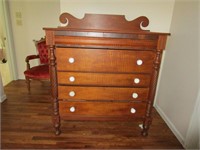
(101, 109)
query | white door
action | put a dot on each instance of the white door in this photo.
(6, 60)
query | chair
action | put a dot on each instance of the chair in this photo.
(40, 72)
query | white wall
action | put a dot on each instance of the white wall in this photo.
(35, 14)
(159, 12)
(180, 80)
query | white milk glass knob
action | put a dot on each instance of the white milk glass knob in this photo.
(71, 60)
(139, 62)
(136, 80)
(71, 93)
(133, 110)
(71, 79)
(72, 109)
(135, 95)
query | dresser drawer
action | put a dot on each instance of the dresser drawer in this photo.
(97, 109)
(99, 60)
(101, 93)
(102, 79)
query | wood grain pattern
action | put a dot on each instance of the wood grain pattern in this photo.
(26, 124)
(104, 22)
(102, 93)
(130, 43)
(104, 35)
(99, 109)
(108, 45)
(96, 60)
(104, 79)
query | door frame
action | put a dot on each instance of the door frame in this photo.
(9, 43)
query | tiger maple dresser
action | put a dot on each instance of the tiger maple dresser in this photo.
(103, 67)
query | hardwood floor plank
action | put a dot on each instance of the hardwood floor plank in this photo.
(26, 123)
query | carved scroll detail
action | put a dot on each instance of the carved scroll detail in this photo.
(143, 21)
(65, 17)
(104, 22)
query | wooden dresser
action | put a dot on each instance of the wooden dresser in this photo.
(103, 67)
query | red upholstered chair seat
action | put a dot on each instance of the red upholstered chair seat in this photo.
(38, 72)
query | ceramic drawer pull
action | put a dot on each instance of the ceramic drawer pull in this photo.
(71, 79)
(135, 95)
(71, 93)
(133, 110)
(71, 60)
(139, 62)
(136, 80)
(72, 109)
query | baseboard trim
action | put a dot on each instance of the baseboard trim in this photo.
(3, 98)
(170, 125)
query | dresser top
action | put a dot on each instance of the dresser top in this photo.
(103, 23)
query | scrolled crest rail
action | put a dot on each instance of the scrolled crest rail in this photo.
(104, 22)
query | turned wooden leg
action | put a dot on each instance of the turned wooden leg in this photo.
(146, 125)
(56, 122)
(28, 84)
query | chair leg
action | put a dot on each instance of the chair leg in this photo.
(28, 84)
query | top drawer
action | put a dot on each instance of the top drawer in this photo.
(99, 60)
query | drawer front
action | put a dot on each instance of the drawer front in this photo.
(102, 93)
(102, 79)
(97, 109)
(96, 60)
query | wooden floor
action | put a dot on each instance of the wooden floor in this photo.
(26, 123)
